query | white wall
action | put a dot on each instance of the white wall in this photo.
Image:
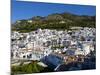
(83, 2)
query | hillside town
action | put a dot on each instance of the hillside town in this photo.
(57, 47)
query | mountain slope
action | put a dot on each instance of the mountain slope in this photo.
(54, 21)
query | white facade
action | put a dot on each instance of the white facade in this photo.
(34, 44)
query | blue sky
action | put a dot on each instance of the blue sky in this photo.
(25, 10)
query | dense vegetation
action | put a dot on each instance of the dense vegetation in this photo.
(29, 68)
(54, 21)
